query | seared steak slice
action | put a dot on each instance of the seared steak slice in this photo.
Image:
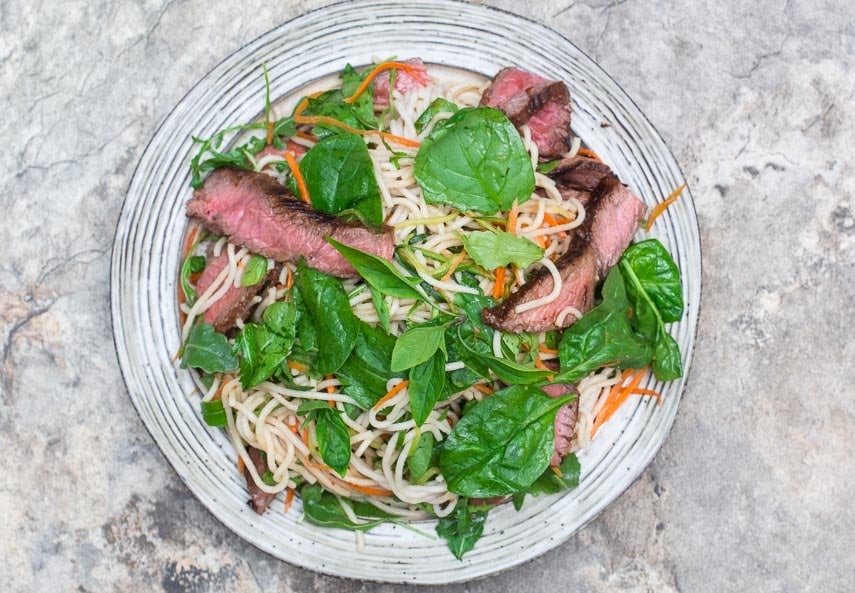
(611, 219)
(259, 500)
(579, 173)
(236, 303)
(404, 82)
(565, 420)
(544, 105)
(257, 212)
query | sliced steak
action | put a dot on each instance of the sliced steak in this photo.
(404, 82)
(257, 212)
(259, 500)
(611, 219)
(579, 173)
(565, 420)
(529, 99)
(236, 303)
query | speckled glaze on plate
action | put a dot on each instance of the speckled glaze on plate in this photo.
(148, 242)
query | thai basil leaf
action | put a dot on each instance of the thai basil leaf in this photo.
(417, 345)
(281, 318)
(305, 328)
(192, 265)
(475, 160)
(437, 106)
(462, 528)
(547, 166)
(262, 352)
(255, 271)
(379, 273)
(496, 249)
(421, 457)
(340, 176)
(333, 440)
(328, 307)
(323, 509)
(365, 373)
(427, 382)
(501, 445)
(208, 350)
(603, 337)
(213, 413)
(380, 307)
(656, 274)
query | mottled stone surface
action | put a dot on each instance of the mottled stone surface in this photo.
(751, 492)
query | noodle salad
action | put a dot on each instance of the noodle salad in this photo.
(402, 303)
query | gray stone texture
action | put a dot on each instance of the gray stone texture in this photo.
(752, 490)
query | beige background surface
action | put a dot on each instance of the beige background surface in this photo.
(751, 492)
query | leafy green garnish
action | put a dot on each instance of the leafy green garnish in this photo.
(547, 166)
(438, 105)
(324, 509)
(417, 345)
(365, 373)
(208, 350)
(482, 362)
(462, 528)
(213, 413)
(495, 249)
(265, 346)
(328, 308)
(475, 160)
(255, 271)
(421, 456)
(501, 445)
(331, 432)
(427, 382)
(192, 265)
(340, 176)
(379, 273)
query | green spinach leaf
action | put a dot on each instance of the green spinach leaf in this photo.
(462, 528)
(365, 373)
(475, 160)
(208, 350)
(379, 273)
(192, 265)
(501, 445)
(264, 347)
(323, 509)
(331, 432)
(427, 382)
(213, 413)
(421, 457)
(437, 106)
(496, 249)
(255, 271)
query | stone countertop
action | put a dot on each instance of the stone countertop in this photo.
(752, 489)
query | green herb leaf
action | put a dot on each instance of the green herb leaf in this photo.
(427, 381)
(340, 176)
(213, 413)
(329, 309)
(547, 166)
(333, 440)
(462, 528)
(421, 457)
(192, 265)
(509, 371)
(417, 345)
(264, 347)
(503, 444)
(379, 273)
(475, 160)
(324, 509)
(437, 106)
(496, 249)
(550, 483)
(255, 271)
(365, 373)
(380, 307)
(208, 350)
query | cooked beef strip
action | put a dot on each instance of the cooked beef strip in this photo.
(259, 500)
(579, 173)
(565, 420)
(257, 212)
(529, 99)
(611, 219)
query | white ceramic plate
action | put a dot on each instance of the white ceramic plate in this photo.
(146, 261)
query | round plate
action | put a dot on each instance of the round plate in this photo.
(148, 243)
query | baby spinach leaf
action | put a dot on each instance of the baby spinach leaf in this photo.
(328, 307)
(208, 350)
(255, 271)
(475, 160)
(213, 413)
(323, 509)
(192, 265)
(333, 440)
(365, 373)
(379, 273)
(462, 528)
(550, 483)
(603, 337)
(502, 444)
(421, 457)
(437, 106)
(339, 175)
(359, 114)
(655, 273)
(427, 381)
(417, 345)
(496, 249)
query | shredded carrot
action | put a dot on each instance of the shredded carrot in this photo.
(330, 389)
(587, 152)
(408, 68)
(306, 136)
(542, 241)
(289, 499)
(485, 389)
(454, 263)
(298, 177)
(240, 465)
(512, 218)
(331, 121)
(269, 133)
(616, 398)
(662, 206)
(392, 393)
(304, 436)
(369, 490)
(289, 280)
(297, 366)
(499, 287)
(544, 350)
(556, 470)
(321, 466)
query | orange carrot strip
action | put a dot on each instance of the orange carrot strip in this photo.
(485, 389)
(331, 121)
(587, 152)
(662, 206)
(543, 349)
(269, 133)
(369, 490)
(512, 218)
(408, 68)
(499, 287)
(297, 366)
(557, 471)
(240, 465)
(289, 499)
(320, 466)
(298, 177)
(392, 393)
(612, 406)
(454, 263)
